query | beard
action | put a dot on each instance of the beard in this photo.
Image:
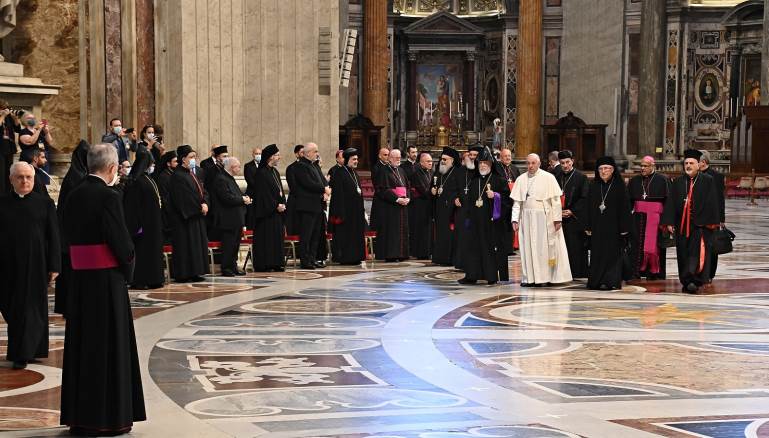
(470, 165)
(484, 172)
(443, 168)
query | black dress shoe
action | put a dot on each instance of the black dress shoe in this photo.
(525, 284)
(228, 273)
(320, 265)
(466, 281)
(307, 266)
(196, 279)
(19, 364)
(691, 288)
(240, 273)
(492, 283)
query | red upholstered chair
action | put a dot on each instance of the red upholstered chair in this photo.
(211, 247)
(291, 240)
(329, 238)
(167, 250)
(370, 236)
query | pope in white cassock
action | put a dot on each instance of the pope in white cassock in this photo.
(537, 218)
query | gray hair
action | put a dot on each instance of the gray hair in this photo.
(229, 162)
(705, 156)
(535, 157)
(15, 167)
(101, 156)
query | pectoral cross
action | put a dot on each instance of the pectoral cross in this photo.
(644, 196)
(465, 190)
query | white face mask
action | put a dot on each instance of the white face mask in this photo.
(115, 179)
(151, 169)
(128, 170)
(258, 158)
(150, 136)
(192, 163)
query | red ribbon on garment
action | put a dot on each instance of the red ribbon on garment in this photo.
(87, 257)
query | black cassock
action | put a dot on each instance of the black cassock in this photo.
(420, 213)
(392, 241)
(510, 173)
(718, 179)
(290, 216)
(376, 169)
(694, 224)
(654, 190)
(249, 173)
(607, 239)
(30, 250)
(75, 175)
(460, 232)
(101, 381)
(347, 221)
(485, 230)
(575, 189)
(163, 181)
(188, 225)
(444, 245)
(144, 219)
(267, 252)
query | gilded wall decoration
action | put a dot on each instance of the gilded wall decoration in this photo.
(462, 8)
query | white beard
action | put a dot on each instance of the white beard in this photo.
(484, 172)
(470, 165)
(443, 168)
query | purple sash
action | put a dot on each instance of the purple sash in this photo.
(653, 211)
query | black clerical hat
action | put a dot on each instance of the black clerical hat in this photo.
(605, 161)
(451, 152)
(692, 153)
(267, 153)
(562, 155)
(477, 148)
(220, 150)
(297, 148)
(349, 153)
(183, 150)
(485, 155)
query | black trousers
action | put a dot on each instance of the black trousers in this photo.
(309, 235)
(230, 242)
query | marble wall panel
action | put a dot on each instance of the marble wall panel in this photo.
(45, 41)
(145, 66)
(113, 59)
(591, 62)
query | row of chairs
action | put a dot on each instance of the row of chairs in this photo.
(757, 183)
(247, 240)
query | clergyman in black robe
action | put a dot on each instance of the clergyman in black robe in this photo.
(308, 193)
(609, 224)
(462, 202)
(507, 170)
(189, 207)
(648, 193)
(718, 179)
(162, 176)
(445, 189)
(488, 197)
(376, 169)
(78, 169)
(143, 206)
(101, 391)
(347, 216)
(575, 187)
(291, 169)
(392, 190)
(692, 212)
(249, 174)
(230, 215)
(421, 208)
(30, 259)
(269, 206)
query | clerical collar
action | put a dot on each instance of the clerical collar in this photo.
(19, 195)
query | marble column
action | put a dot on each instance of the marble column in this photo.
(765, 57)
(651, 96)
(145, 62)
(113, 52)
(529, 85)
(375, 63)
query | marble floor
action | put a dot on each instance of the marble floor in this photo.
(401, 350)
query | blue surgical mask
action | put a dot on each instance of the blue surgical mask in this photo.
(258, 158)
(117, 130)
(193, 163)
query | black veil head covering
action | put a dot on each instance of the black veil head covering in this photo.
(349, 153)
(77, 172)
(163, 163)
(564, 154)
(141, 163)
(183, 150)
(606, 161)
(267, 153)
(451, 152)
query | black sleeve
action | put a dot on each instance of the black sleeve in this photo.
(53, 261)
(185, 199)
(225, 195)
(118, 238)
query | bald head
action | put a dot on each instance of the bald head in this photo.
(384, 153)
(505, 156)
(311, 151)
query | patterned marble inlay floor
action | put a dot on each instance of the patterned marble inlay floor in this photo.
(403, 351)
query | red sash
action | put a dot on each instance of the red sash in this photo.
(86, 257)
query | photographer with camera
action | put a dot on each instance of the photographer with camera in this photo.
(34, 135)
(114, 136)
(9, 124)
(149, 139)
